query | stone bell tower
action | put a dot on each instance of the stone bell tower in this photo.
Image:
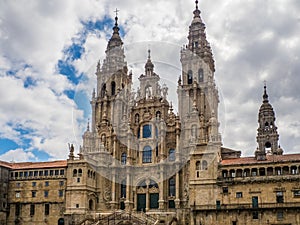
(197, 93)
(267, 135)
(198, 101)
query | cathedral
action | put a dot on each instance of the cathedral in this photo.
(140, 163)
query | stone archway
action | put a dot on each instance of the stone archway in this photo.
(61, 221)
(147, 195)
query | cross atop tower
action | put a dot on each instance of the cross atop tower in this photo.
(196, 4)
(116, 11)
(116, 18)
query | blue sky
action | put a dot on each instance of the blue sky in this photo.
(48, 61)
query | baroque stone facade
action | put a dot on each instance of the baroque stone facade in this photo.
(140, 163)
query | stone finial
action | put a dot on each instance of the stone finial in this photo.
(71, 149)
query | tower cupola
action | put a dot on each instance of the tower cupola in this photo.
(267, 135)
(115, 40)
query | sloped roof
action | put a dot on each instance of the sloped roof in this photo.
(270, 159)
(34, 165)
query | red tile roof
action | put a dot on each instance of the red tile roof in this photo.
(270, 159)
(34, 165)
(5, 164)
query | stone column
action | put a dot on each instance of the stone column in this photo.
(161, 201)
(177, 200)
(113, 191)
(127, 201)
(147, 196)
(162, 142)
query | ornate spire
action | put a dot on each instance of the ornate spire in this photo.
(115, 40)
(197, 39)
(265, 96)
(149, 65)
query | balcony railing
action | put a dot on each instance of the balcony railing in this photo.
(246, 206)
(258, 178)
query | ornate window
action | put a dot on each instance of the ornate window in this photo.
(190, 77)
(200, 75)
(123, 189)
(123, 158)
(147, 154)
(147, 131)
(172, 189)
(172, 155)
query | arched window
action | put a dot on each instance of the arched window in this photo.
(113, 88)
(147, 154)
(172, 189)
(123, 188)
(61, 221)
(89, 173)
(204, 165)
(80, 172)
(123, 158)
(74, 173)
(152, 183)
(200, 75)
(91, 204)
(190, 77)
(172, 155)
(142, 184)
(103, 90)
(268, 147)
(147, 131)
(158, 115)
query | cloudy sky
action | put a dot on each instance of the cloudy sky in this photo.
(49, 50)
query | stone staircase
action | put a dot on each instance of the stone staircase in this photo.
(122, 217)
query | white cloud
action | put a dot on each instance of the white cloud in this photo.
(18, 155)
(251, 41)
